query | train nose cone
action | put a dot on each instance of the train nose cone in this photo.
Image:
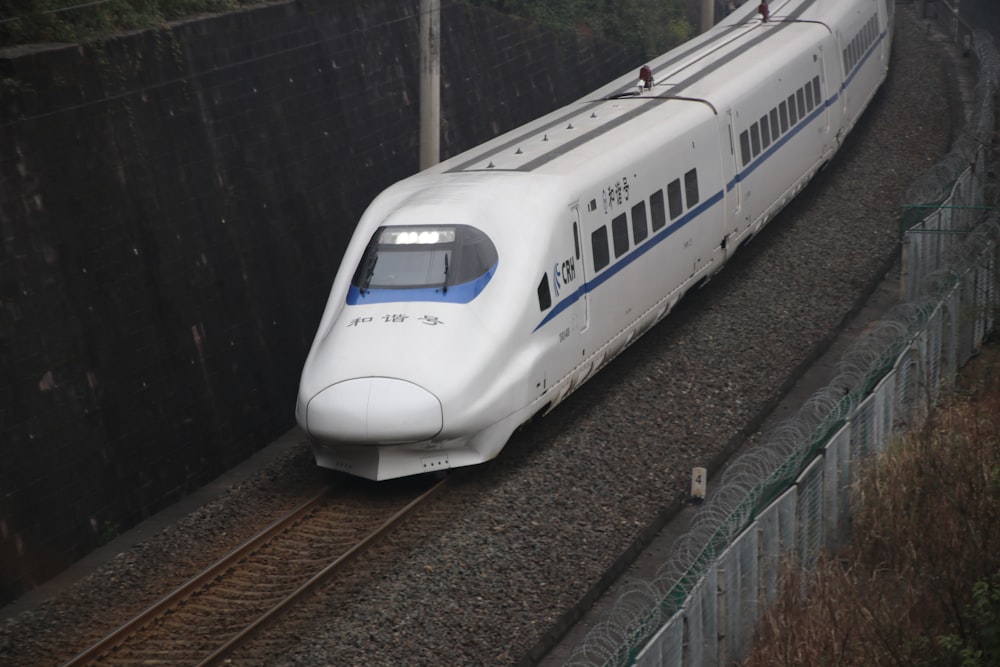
(382, 410)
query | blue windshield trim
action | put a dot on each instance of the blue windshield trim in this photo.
(463, 293)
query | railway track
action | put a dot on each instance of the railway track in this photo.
(222, 608)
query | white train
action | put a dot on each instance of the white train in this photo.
(483, 291)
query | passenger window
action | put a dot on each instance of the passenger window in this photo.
(816, 93)
(619, 234)
(599, 244)
(792, 117)
(765, 132)
(755, 139)
(544, 296)
(691, 187)
(658, 211)
(801, 101)
(674, 198)
(576, 241)
(809, 98)
(783, 113)
(745, 147)
(639, 228)
(775, 131)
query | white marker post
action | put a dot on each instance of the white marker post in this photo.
(699, 484)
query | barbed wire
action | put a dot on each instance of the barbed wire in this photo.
(758, 475)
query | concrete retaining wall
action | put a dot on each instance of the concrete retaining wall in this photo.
(173, 206)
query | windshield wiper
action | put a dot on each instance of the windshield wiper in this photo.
(369, 273)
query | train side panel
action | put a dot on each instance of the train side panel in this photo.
(779, 123)
(863, 36)
(652, 226)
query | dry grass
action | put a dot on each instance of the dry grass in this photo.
(926, 530)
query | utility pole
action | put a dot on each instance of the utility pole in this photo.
(707, 14)
(430, 82)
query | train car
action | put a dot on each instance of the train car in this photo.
(479, 293)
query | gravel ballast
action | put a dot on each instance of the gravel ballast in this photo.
(515, 543)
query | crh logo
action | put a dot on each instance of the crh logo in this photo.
(563, 273)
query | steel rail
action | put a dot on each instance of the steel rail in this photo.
(373, 538)
(186, 589)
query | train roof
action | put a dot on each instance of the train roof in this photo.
(690, 82)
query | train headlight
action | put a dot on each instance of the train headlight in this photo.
(417, 236)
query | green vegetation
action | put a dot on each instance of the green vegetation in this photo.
(109, 531)
(77, 21)
(919, 583)
(653, 25)
(980, 646)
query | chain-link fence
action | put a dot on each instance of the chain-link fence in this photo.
(788, 497)
(947, 201)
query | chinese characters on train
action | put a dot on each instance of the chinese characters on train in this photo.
(427, 320)
(616, 194)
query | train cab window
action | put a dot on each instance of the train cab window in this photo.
(674, 198)
(755, 139)
(640, 230)
(619, 234)
(765, 132)
(691, 188)
(745, 147)
(809, 97)
(658, 211)
(599, 244)
(430, 262)
(783, 116)
(816, 91)
(792, 116)
(800, 100)
(775, 128)
(544, 296)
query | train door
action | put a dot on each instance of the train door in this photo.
(820, 85)
(567, 364)
(580, 308)
(737, 218)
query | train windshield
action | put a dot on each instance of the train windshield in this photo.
(424, 263)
